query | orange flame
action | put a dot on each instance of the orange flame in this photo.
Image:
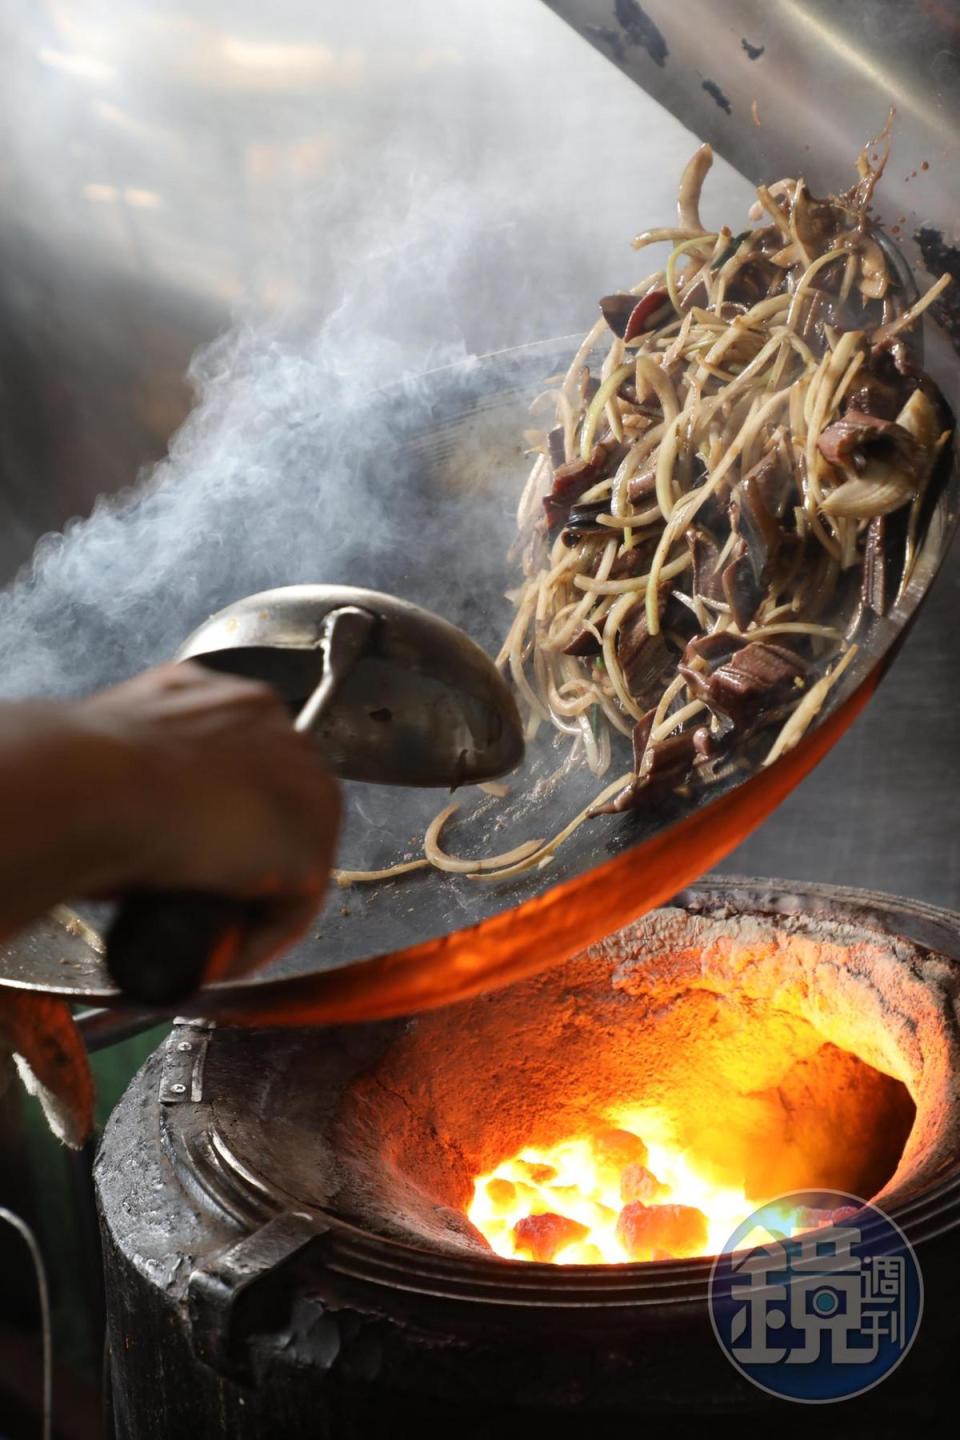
(610, 1198)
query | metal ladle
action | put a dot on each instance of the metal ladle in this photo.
(392, 694)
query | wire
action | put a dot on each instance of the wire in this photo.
(30, 1240)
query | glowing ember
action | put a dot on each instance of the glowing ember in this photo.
(610, 1198)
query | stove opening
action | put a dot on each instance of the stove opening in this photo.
(637, 1103)
(674, 1181)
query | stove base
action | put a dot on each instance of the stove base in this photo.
(242, 1308)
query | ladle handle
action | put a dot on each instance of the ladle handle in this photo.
(162, 947)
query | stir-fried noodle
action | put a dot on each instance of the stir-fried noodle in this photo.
(730, 489)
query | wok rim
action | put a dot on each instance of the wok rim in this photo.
(557, 922)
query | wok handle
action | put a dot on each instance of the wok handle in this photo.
(163, 947)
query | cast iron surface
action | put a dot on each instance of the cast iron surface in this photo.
(428, 938)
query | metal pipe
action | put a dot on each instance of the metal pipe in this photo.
(103, 1027)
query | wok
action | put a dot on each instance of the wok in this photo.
(428, 938)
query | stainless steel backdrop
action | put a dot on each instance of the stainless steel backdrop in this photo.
(821, 75)
(164, 170)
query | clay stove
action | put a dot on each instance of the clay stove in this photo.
(287, 1215)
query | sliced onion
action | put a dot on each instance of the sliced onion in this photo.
(691, 183)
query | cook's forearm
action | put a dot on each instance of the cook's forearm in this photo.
(61, 791)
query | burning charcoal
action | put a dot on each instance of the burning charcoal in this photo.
(618, 1148)
(566, 1194)
(501, 1192)
(759, 677)
(544, 1236)
(639, 1183)
(642, 656)
(527, 1195)
(742, 590)
(706, 552)
(806, 1217)
(679, 1230)
(629, 317)
(536, 1171)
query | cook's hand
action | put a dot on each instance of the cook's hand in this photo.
(188, 780)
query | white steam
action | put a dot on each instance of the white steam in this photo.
(282, 474)
(489, 203)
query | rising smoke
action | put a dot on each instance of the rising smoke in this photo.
(281, 474)
(460, 228)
